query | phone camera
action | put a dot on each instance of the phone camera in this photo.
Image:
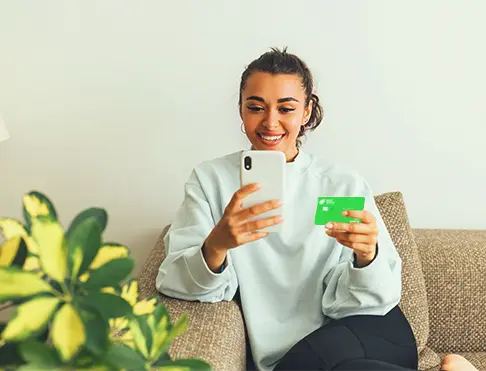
(247, 162)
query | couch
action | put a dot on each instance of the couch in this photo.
(443, 297)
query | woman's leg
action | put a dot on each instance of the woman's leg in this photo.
(386, 338)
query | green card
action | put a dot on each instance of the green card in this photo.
(329, 209)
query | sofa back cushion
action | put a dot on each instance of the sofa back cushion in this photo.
(414, 294)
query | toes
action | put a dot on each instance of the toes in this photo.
(455, 362)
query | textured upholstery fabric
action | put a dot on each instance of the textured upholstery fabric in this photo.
(454, 264)
(444, 297)
(414, 295)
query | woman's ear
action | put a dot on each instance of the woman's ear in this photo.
(308, 111)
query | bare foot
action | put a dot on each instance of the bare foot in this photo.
(455, 362)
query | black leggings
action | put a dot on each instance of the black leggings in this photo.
(361, 342)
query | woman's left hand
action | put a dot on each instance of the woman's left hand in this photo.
(361, 237)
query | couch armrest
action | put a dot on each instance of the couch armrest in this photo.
(454, 266)
(216, 332)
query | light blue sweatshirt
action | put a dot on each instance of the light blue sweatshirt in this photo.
(290, 283)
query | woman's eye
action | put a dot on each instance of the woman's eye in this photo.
(255, 108)
(286, 110)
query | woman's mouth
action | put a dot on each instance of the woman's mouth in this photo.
(270, 140)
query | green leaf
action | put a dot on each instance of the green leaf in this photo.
(124, 357)
(110, 274)
(98, 214)
(13, 252)
(68, 333)
(185, 365)
(161, 311)
(160, 331)
(163, 359)
(9, 353)
(49, 236)
(17, 284)
(109, 305)
(96, 328)
(39, 353)
(179, 327)
(37, 205)
(21, 254)
(95, 367)
(35, 367)
(25, 324)
(142, 334)
(11, 228)
(84, 241)
(109, 252)
(164, 334)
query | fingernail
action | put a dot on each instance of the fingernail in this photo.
(329, 225)
(279, 202)
(345, 213)
(280, 218)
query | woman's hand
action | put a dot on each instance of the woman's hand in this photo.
(361, 237)
(234, 229)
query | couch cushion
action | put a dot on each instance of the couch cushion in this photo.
(454, 266)
(414, 295)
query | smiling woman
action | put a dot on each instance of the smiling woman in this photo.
(311, 300)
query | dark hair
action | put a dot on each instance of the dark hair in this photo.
(280, 62)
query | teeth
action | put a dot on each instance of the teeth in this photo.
(271, 138)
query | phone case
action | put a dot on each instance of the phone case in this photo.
(268, 170)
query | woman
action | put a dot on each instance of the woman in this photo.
(310, 300)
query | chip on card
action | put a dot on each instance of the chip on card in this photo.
(329, 209)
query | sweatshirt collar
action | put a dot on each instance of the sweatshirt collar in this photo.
(301, 162)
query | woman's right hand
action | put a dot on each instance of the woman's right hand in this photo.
(234, 229)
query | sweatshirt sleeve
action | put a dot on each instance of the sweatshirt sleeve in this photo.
(371, 290)
(184, 273)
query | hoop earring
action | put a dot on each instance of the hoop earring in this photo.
(242, 130)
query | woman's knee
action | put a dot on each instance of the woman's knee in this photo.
(393, 326)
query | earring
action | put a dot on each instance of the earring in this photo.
(242, 130)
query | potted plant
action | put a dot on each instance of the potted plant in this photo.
(74, 307)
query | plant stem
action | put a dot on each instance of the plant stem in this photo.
(65, 289)
(6, 306)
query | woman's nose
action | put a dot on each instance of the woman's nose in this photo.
(271, 119)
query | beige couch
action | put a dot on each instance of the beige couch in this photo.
(444, 297)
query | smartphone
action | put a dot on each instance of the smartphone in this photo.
(266, 168)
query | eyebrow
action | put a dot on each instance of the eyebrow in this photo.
(281, 100)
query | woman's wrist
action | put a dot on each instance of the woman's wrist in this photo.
(214, 258)
(363, 261)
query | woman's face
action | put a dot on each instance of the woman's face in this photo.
(273, 110)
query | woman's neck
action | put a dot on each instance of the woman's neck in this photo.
(292, 157)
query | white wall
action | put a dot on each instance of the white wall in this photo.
(112, 103)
